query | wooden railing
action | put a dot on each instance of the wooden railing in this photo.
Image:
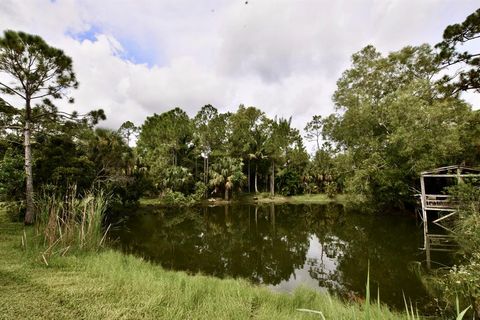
(439, 201)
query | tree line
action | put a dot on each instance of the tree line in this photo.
(222, 152)
(395, 115)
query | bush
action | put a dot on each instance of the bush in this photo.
(200, 191)
(176, 198)
(331, 189)
(128, 189)
(289, 182)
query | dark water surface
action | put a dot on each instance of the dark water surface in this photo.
(285, 246)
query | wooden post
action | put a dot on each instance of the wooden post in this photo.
(424, 212)
(426, 240)
(459, 178)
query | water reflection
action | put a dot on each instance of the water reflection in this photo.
(283, 246)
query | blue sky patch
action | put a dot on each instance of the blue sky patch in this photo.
(133, 50)
(90, 34)
(141, 54)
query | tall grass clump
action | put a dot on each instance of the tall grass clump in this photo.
(71, 221)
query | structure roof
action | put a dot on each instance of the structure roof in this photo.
(464, 170)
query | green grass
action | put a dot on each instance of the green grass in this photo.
(264, 197)
(111, 285)
(151, 201)
(301, 199)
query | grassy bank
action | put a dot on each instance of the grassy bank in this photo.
(264, 198)
(110, 285)
(301, 199)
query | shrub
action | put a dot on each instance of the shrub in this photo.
(176, 198)
(200, 191)
(331, 189)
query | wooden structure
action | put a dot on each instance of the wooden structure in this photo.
(439, 208)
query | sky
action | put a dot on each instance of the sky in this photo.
(136, 58)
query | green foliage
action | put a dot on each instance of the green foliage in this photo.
(176, 178)
(467, 195)
(313, 130)
(331, 189)
(210, 131)
(200, 191)
(35, 73)
(454, 38)
(248, 129)
(12, 175)
(35, 65)
(176, 198)
(128, 131)
(460, 285)
(128, 189)
(226, 174)
(166, 136)
(388, 123)
(322, 172)
(289, 182)
(60, 162)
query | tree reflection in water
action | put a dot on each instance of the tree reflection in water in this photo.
(283, 246)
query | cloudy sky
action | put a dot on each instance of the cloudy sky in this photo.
(136, 58)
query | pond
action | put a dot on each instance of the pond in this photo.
(284, 246)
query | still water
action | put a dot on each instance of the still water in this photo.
(285, 246)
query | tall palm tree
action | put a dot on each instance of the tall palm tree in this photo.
(227, 173)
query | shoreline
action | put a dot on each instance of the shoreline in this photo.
(111, 285)
(260, 198)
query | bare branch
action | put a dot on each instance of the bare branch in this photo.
(14, 91)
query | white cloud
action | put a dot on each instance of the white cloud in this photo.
(283, 56)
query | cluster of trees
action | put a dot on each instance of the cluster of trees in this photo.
(400, 114)
(53, 148)
(222, 152)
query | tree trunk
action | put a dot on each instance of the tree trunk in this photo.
(29, 214)
(226, 194)
(205, 176)
(272, 180)
(256, 178)
(205, 170)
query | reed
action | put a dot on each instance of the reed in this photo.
(71, 222)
